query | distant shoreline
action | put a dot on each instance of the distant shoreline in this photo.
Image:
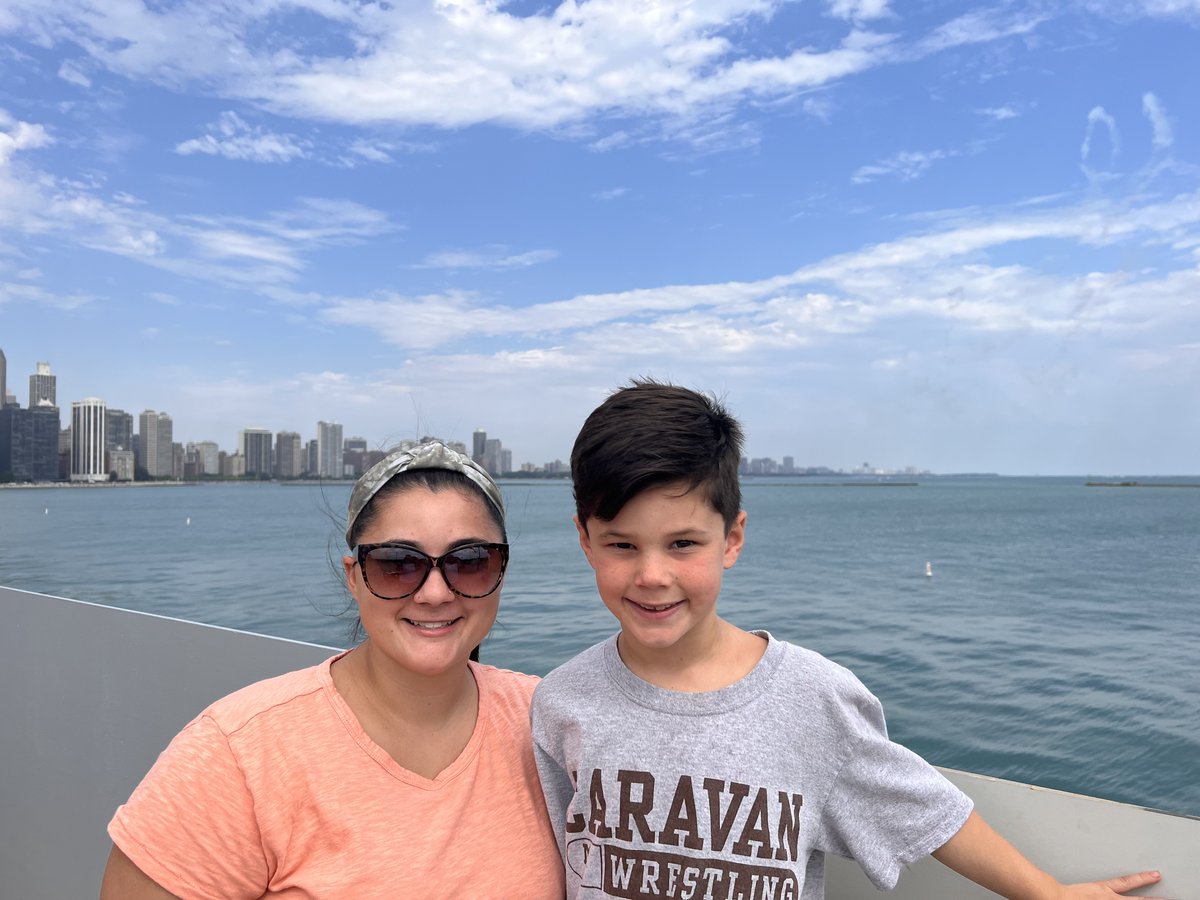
(835, 479)
(1144, 484)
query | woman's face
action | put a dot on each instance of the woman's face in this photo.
(434, 630)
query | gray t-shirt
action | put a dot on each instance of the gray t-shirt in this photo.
(734, 793)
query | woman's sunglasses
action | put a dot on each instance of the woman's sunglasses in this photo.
(396, 571)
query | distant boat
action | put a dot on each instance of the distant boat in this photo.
(928, 570)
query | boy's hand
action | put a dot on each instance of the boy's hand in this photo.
(977, 852)
(1113, 887)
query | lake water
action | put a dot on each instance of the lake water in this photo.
(1057, 642)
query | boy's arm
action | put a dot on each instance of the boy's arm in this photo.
(557, 791)
(977, 852)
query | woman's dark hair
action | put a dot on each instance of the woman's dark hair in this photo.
(433, 479)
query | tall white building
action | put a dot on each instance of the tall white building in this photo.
(3, 379)
(43, 390)
(329, 449)
(87, 440)
(154, 444)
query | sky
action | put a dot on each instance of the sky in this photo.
(958, 236)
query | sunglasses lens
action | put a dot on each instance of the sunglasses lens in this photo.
(474, 571)
(394, 572)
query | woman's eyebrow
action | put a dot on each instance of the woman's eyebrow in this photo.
(419, 545)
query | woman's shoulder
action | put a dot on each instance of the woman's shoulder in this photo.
(505, 695)
(504, 681)
(271, 696)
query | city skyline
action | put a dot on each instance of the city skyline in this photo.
(959, 237)
(262, 460)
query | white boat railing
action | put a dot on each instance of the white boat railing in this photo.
(91, 695)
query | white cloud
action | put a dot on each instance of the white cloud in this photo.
(1157, 115)
(260, 254)
(11, 292)
(999, 113)
(16, 135)
(612, 141)
(493, 258)
(858, 10)
(979, 27)
(881, 290)
(1158, 9)
(610, 194)
(421, 322)
(819, 107)
(1098, 117)
(70, 72)
(461, 62)
(372, 152)
(233, 138)
(906, 165)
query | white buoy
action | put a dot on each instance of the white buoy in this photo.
(928, 570)
(47, 511)
(189, 520)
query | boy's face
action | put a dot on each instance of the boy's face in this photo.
(658, 567)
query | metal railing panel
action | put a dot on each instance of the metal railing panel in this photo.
(91, 695)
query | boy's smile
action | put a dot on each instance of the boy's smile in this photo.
(658, 567)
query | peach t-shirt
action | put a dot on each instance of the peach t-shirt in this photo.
(277, 791)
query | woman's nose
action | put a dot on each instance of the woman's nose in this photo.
(435, 589)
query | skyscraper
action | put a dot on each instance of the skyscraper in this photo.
(479, 446)
(3, 379)
(209, 456)
(43, 389)
(255, 445)
(29, 443)
(289, 461)
(493, 456)
(354, 451)
(154, 444)
(329, 449)
(118, 429)
(87, 440)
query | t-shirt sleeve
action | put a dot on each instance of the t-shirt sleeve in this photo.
(887, 807)
(190, 824)
(557, 788)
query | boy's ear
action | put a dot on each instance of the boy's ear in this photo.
(735, 539)
(584, 541)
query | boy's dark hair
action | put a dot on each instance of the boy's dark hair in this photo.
(651, 433)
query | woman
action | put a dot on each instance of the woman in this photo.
(399, 768)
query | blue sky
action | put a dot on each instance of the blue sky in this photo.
(963, 237)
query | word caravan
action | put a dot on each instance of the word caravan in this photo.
(730, 834)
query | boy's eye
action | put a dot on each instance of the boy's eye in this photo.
(621, 545)
(683, 544)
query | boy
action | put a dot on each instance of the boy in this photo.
(686, 758)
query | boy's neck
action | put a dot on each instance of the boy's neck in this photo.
(705, 660)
